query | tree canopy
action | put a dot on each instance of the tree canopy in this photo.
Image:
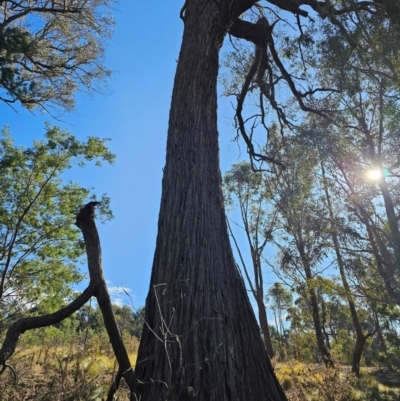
(51, 49)
(40, 245)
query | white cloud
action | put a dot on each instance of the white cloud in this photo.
(113, 290)
(118, 301)
(120, 295)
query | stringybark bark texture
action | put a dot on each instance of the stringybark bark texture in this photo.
(201, 340)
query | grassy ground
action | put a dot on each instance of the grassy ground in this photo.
(63, 373)
(84, 372)
(308, 382)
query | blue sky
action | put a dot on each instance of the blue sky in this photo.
(134, 114)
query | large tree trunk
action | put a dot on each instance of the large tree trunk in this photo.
(201, 339)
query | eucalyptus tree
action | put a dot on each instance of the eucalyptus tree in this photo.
(51, 49)
(200, 333)
(302, 215)
(357, 142)
(352, 220)
(335, 223)
(280, 302)
(335, 322)
(364, 129)
(248, 192)
(356, 224)
(349, 158)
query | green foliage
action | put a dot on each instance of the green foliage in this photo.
(279, 300)
(40, 245)
(250, 193)
(129, 321)
(49, 50)
(13, 42)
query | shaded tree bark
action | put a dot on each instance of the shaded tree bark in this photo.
(201, 339)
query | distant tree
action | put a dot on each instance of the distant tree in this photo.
(89, 317)
(39, 244)
(280, 300)
(130, 321)
(247, 191)
(361, 335)
(51, 49)
(302, 218)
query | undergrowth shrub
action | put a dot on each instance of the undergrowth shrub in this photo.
(304, 382)
(315, 382)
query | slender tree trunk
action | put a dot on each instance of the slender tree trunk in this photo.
(278, 334)
(298, 352)
(380, 335)
(262, 316)
(357, 353)
(259, 295)
(360, 336)
(382, 340)
(257, 290)
(324, 351)
(392, 220)
(201, 339)
(323, 324)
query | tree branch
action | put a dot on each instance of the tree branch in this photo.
(29, 323)
(255, 33)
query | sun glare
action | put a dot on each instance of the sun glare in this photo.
(374, 175)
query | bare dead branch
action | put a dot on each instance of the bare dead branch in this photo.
(97, 287)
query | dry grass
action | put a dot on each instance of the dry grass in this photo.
(84, 372)
(307, 382)
(73, 372)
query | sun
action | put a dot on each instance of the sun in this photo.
(374, 174)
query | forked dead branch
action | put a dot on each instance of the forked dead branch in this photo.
(97, 288)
